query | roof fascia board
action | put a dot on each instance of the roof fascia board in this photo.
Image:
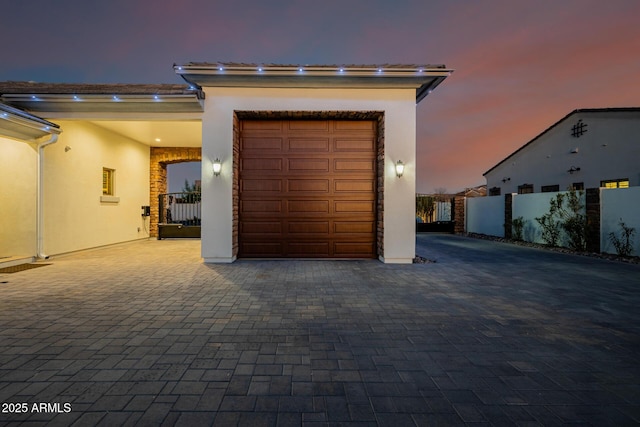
(422, 78)
(20, 125)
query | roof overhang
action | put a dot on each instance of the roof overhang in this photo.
(44, 98)
(422, 78)
(17, 124)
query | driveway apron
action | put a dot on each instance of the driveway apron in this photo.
(488, 334)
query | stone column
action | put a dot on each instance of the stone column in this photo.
(508, 216)
(592, 202)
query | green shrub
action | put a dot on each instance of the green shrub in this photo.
(624, 243)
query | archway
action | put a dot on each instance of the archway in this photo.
(160, 157)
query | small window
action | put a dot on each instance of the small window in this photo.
(615, 183)
(108, 178)
(525, 189)
(577, 186)
(494, 191)
(550, 188)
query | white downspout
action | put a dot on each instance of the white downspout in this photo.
(40, 196)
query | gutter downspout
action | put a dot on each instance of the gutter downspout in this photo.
(40, 196)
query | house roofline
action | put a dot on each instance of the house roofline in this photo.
(109, 98)
(423, 78)
(580, 110)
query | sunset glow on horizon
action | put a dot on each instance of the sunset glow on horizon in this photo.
(519, 66)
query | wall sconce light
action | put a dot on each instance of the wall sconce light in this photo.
(573, 169)
(399, 168)
(217, 167)
(505, 179)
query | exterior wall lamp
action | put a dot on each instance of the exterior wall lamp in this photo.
(573, 169)
(217, 167)
(399, 168)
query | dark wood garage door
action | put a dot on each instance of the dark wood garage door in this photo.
(307, 189)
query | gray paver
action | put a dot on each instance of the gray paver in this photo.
(490, 334)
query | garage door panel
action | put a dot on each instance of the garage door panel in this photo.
(354, 145)
(258, 125)
(261, 227)
(261, 185)
(355, 125)
(261, 164)
(354, 206)
(263, 143)
(261, 206)
(353, 227)
(308, 206)
(315, 197)
(353, 249)
(308, 144)
(308, 125)
(308, 227)
(308, 185)
(262, 249)
(354, 185)
(309, 165)
(308, 249)
(353, 165)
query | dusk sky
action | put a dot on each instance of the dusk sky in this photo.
(519, 66)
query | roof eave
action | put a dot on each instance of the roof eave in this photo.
(23, 126)
(421, 78)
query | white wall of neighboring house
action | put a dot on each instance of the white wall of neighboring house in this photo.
(398, 106)
(75, 217)
(619, 204)
(18, 163)
(609, 149)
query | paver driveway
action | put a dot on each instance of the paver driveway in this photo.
(145, 334)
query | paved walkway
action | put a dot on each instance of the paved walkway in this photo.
(490, 334)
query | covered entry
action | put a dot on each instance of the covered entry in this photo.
(307, 188)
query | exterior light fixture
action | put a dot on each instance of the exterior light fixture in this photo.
(573, 169)
(505, 179)
(217, 167)
(399, 168)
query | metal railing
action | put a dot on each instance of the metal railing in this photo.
(180, 208)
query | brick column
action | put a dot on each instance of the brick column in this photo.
(592, 202)
(508, 216)
(458, 215)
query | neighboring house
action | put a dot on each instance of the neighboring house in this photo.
(479, 191)
(588, 148)
(307, 154)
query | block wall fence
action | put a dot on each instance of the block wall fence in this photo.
(604, 210)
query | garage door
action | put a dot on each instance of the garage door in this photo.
(307, 189)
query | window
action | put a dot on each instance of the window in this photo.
(550, 188)
(108, 178)
(577, 186)
(494, 191)
(615, 183)
(525, 189)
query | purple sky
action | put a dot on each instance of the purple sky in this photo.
(520, 65)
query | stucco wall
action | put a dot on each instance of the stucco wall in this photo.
(398, 106)
(609, 149)
(530, 206)
(485, 215)
(75, 217)
(18, 162)
(616, 204)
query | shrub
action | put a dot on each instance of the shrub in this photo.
(624, 243)
(518, 227)
(569, 219)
